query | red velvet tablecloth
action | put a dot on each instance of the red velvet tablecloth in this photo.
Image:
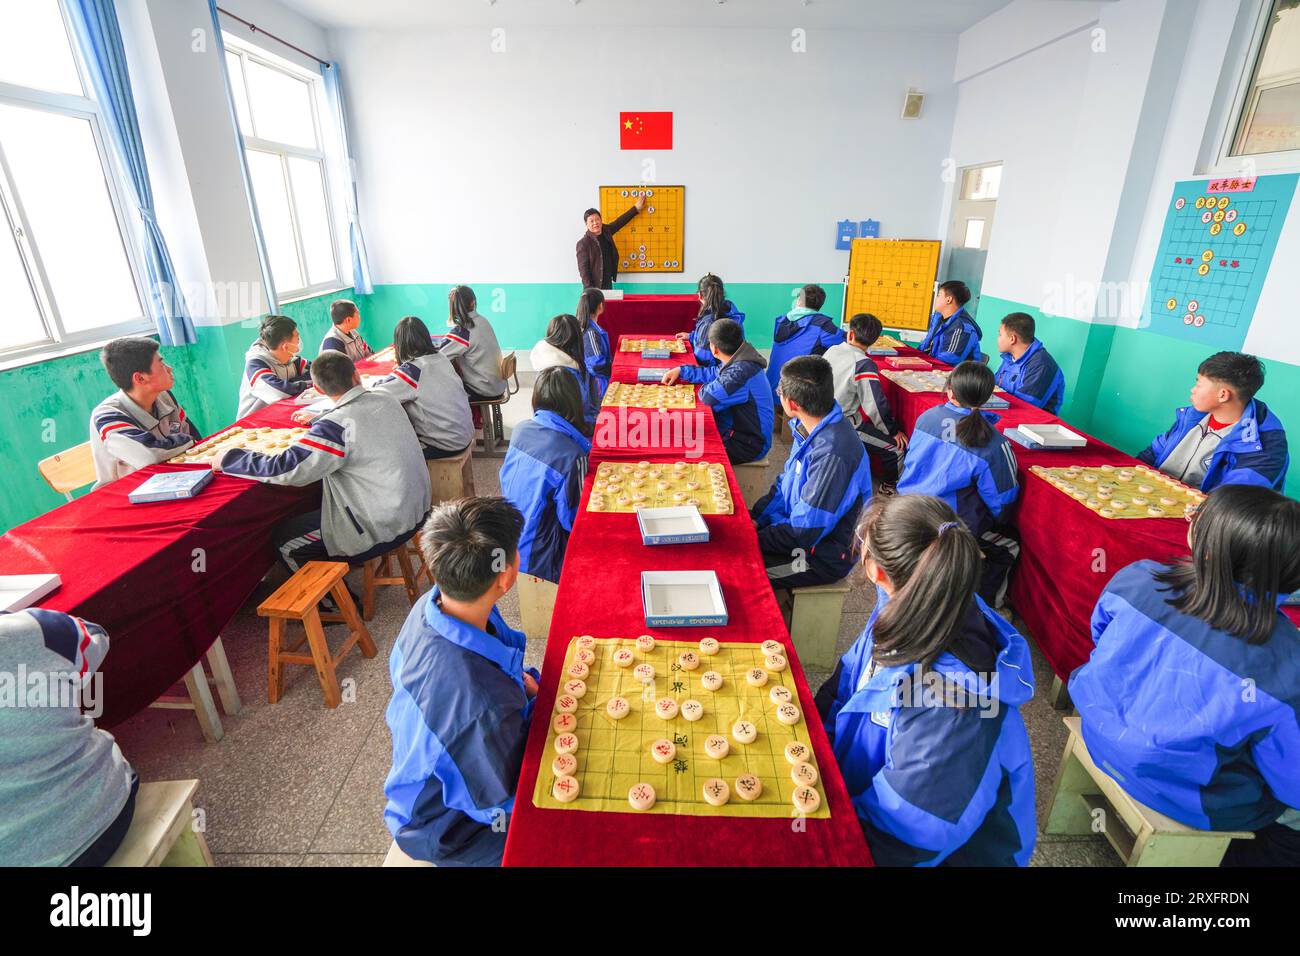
(648, 315)
(600, 594)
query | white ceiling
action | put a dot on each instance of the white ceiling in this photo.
(930, 16)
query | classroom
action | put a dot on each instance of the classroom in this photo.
(400, 474)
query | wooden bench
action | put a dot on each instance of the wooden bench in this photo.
(493, 427)
(815, 622)
(397, 857)
(1085, 796)
(536, 605)
(451, 478)
(753, 479)
(298, 599)
(162, 829)
(379, 572)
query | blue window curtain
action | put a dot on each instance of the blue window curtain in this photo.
(96, 32)
(343, 167)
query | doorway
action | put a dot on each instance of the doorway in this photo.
(972, 224)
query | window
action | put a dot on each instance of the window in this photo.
(69, 275)
(974, 233)
(981, 182)
(278, 106)
(1268, 122)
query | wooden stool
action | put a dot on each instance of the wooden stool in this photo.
(379, 572)
(780, 431)
(398, 857)
(536, 605)
(297, 600)
(162, 829)
(494, 430)
(452, 478)
(1141, 836)
(753, 479)
(815, 622)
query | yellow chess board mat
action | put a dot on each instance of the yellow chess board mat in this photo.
(643, 395)
(384, 355)
(626, 487)
(640, 345)
(921, 380)
(893, 279)
(888, 342)
(270, 441)
(613, 756)
(1115, 492)
(654, 240)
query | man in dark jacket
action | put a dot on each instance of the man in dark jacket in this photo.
(597, 255)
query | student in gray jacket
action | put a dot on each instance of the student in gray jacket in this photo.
(470, 342)
(344, 335)
(272, 367)
(375, 486)
(67, 794)
(430, 390)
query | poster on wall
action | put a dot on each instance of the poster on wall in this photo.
(1214, 255)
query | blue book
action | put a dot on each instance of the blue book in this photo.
(655, 353)
(881, 350)
(996, 401)
(1020, 438)
(654, 375)
(172, 486)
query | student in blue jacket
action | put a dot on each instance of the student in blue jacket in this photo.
(1191, 695)
(736, 390)
(804, 330)
(953, 336)
(1028, 370)
(544, 471)
(714, 305)
(956, 454)
(805, 521)
(462, 697)
(595, 340)
(562, 348)
(1226, 436)
(923, 711)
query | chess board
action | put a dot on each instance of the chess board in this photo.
(675, 345)
(1114, 492)
(654, 240)
(921, 381)
(888, 342)
(628, 487)
(613, 756)
(270, 441)
(642, 395)
(893, 279)
(384, 355)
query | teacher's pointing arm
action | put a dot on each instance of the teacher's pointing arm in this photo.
(624, 219)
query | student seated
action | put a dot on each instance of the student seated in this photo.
(272, 368)
(1189, 699)
(805, 522)
(364, 450)
(953, 336)
(462, 697)
(472, 345)
(863, 401)
(714, 305)
(344, 337)
(804, 330)
(1226, 436)
(596, 354)
(1028, 370)
(736, 389)
(68, 793)
(562, 347)
(428, 387)
(141, 423)
(544, 471)
(956, 454)
(923, 711)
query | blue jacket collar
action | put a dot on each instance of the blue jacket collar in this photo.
(505, 649)
(1034, 348)
(989, 417)
(554, 422)
(831, 418)
(1248, 424)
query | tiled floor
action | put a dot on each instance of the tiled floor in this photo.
(297, 784)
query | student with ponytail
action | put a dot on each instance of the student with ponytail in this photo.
(595, 340)
(923, 711)
(956, 454)
(563, 347)
(714, 305)
(472, 346)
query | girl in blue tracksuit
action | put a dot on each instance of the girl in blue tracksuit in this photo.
(1191, 695)
(804, 330)
(956, 454)
(563, 347)
(923, 711)
(544, 471)
(953, 336)
(595, 340)
(714, 304)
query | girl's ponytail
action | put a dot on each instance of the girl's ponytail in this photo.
(712, 295)
(971, 384)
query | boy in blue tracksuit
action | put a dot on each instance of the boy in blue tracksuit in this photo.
(923, 711)
(804, 330)
(462, 698)
(544, 471)
(805, 522)
(1028, 370)
(736, 390)
(714, 305)
(953, 336)
(1191, 695)
(1226, 436)
(596, 352)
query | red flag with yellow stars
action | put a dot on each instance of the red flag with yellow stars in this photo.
(645, 130)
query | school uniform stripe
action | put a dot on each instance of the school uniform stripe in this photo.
(406, 378)
(317, 445)
(455, 338)
(103, 432)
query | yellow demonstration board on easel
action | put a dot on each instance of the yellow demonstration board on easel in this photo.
(893, 279)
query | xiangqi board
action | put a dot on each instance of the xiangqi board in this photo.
(674, 345)
(653, 240)
(627, 487)
(700, 728)
(270, 441)
(1116, 492)
(922, 381)
(641, 395)
(892, 279)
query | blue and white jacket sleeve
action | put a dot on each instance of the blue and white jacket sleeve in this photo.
(1278, 758)
(125, 440)
(954, 345)
(479, 768)
(872, 403)
(814, 513)
(727, 389)
(569, 493)
(320, 452)
(1161, 445)
(81, 643)
(1265, 467)
(1040, 386)
(996, 481)
(454, 342)
(268, 387)
(828, 334)
(403, 384)
(698, 374)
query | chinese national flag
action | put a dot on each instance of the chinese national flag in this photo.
(645, 130)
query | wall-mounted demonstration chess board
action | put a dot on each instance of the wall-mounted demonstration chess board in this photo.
(654, 241)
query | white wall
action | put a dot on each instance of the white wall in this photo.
(476, 165)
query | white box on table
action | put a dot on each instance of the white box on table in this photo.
(1053, 436)
(682, 599)
(18, 591)
(677, 524)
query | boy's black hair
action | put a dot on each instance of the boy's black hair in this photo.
(341, 310)
(807, 381)
(1244, 556)
(957, 289)
(1021, 324)
(557, 391)
(727, 335)
(332, 372)
(971, 384)
(1243, 373)
(275, 330)
(814, 296)
(589, 213)
(866, 328)
(411, 339)
(124, 357)
(468, 542)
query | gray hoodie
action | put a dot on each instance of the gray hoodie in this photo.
(267, 380)
(476, 354)
(434, 398)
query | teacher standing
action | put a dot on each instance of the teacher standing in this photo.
(597, 255)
